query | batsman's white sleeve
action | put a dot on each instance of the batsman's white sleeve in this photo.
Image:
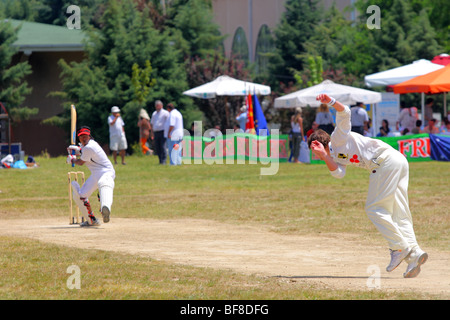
(339, 172)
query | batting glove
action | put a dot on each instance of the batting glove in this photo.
(75, 148)
(71, 158)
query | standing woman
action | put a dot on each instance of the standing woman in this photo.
(297, 133)
(144, 130)
(324, 119)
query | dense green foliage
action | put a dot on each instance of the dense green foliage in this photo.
(13, 87)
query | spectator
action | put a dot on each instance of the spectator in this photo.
(368, 132)
(428, 110)
(417, 129)
(384, 129)
(314, 127)
(359, 118)
(431, 127)
(117, 138)
(445, 129)
(144, 131)
(324, 119)
(407, 119)
(175, 135)
(405, 132)
(297, 133)
(242, 117)
(159, 118)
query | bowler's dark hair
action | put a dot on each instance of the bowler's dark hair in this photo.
(321, 136)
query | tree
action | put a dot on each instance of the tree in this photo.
(142, 82)
(291, 37)
(194, 21)
(104, 78)
(405, 35)
(13, 87)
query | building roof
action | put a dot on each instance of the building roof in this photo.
(34, 36)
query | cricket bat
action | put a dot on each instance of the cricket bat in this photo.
(73, 127)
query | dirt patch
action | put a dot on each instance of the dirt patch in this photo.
(340, 261)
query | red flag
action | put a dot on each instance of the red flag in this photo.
(250, 125)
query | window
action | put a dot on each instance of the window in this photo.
(264, 45)
(239, 48)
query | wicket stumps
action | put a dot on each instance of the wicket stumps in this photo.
(74, 176)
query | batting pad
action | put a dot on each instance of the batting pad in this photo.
(76, 197)
(105, 189)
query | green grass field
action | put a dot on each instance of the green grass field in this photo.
(299, 199)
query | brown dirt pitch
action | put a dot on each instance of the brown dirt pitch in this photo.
(334, 261)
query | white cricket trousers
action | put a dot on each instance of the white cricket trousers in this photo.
(387, 201)
(86, 190)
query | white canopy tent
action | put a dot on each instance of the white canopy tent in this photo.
(401, 74)
(227, 86)
(344, 94)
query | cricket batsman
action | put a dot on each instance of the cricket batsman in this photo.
(387, 201)
(102, 177)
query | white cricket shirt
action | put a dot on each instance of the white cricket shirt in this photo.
(351, 148)
(96, 159)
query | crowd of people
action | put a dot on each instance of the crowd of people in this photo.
(164, 130)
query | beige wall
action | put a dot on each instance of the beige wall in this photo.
(232, 14)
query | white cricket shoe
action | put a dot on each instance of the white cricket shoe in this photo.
(417, 258)
(397, 256)
(105, 214)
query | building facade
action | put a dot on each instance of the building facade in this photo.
(249, 23)
(43, 46)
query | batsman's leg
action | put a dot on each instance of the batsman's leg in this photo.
(105, 189)
(83, 204)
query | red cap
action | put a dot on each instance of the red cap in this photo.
(84, 131)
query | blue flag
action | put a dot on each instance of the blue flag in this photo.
(258, 116)
(440, 147)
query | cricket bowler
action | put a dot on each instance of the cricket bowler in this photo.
(387, 200)
(102, 177)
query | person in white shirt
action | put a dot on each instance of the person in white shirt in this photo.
(117, 138)
(359, 118)
(387, 200)
(407, 119)
(175, 135)
(102, 177)
(159, 118)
